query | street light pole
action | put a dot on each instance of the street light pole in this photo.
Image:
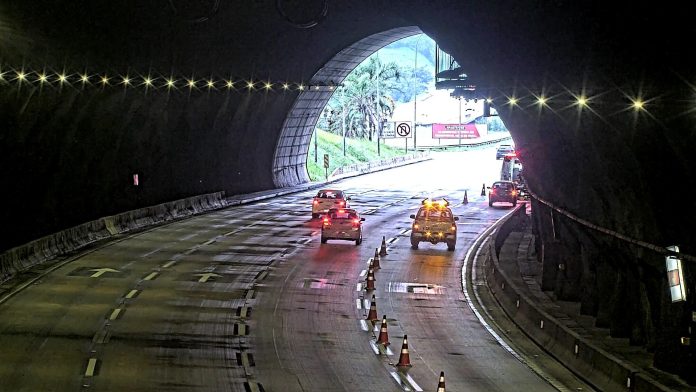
(415, 100)
(459, 128)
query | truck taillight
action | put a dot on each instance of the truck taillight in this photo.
(453, 228)
(327, 222)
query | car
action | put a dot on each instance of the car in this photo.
(502, 191)
(342, 224)
(503, 150)
(326, 199)
(434, 222)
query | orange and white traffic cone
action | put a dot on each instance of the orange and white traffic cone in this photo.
(441, 383)
(404, 359)
(483, 189)
(466, 198)
(375, 260)
(383, 335)
(372, 314)
(370, 279)
(383, 248)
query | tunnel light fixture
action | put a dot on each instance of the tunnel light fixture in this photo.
(542, 100)
(147, 81)
(582, 101)
(268, 85)
(512, 101)
(42, 78)
(285, 86)
(170, 83)
(191, 84)
(62, 78)
(250, 85)
(104, 80)
(229, 84)
(126, 81)
(489, 100)
(300, 87)
(638, 104)
(84, 78)
(21, 76)
(210, 84)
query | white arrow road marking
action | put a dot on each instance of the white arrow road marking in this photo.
(101, 271)
(204, 277)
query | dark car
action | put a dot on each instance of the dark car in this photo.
(503, 150)
(502, 191)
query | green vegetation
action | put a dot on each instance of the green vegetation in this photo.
(357, 151)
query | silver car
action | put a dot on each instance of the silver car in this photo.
(342, 224)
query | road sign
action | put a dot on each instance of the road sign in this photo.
(326, 161)
(403, 129)
(388, 130)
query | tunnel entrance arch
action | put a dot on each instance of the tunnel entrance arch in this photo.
(290, 157)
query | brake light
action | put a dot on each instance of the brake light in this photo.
(341, 211)
(315, 202)
(416, 226)
(453, 228)
(342, 203)
(514, 193)
(356, 221)
(327, 222)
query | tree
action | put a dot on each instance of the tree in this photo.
(364, 99)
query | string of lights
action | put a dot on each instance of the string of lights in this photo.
(19, 77)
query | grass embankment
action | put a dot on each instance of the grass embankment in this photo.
(357, 151)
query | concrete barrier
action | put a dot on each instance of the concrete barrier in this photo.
(25, 256)
(599, 367)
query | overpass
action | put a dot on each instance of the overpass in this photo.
(197, 98)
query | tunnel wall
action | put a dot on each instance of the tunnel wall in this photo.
(67, 154)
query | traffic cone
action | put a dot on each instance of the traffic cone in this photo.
(483, 189)
(466, 199)
(441, 383)
(372, 314)
(370, 279)
(375, 260)
(383, 248)
(404, 359)
(383, 335)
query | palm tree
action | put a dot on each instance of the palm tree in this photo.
(364, 99)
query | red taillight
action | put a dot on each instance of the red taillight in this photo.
(514, 193)
(315, 202)
(341, 211)
(356, 221)
(327, 222)
(453, 228)
(492, 191)
(343, 203)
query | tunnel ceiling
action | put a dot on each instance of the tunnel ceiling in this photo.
(79, 146)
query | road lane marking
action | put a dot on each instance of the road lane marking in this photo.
(152, 276)
(250, 294)
(358, 303)
(363, 273)
(205, 277)
(169, 264)
(91, 365)
(243, 312)
(115, 314)
(132, 293)
(101, 271)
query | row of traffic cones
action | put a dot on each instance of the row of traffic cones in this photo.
(383, 337)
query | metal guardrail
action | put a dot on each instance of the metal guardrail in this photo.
(465, 145)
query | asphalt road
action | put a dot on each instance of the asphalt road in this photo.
(247, 299)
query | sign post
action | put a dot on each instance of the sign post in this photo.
(403, 129)
(326, 165)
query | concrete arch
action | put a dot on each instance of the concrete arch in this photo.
(289, 161)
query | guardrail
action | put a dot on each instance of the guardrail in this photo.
(368, 167)
(599, 367)
(465, 145)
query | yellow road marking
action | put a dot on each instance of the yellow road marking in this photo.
(250, 294)
(90, 367)
(132, 294)
(243, 311)
(115, 314)
(152, 276)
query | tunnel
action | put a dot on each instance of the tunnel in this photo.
(224, 96)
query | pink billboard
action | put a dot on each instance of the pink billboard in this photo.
(455, 131)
